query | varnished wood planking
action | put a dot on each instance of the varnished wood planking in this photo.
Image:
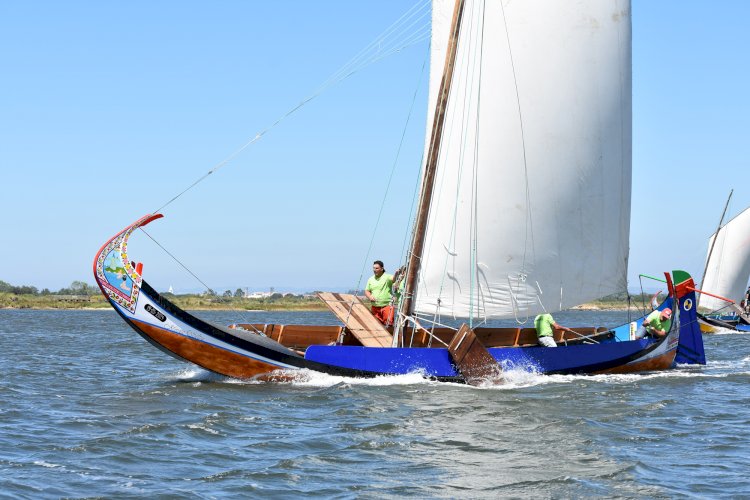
(471, 358)
(357, 319)
(205, 355)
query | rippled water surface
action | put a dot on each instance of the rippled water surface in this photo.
(89, 409)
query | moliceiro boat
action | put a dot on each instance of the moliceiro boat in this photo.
(524, 209)
(726, 276)
(267, 351)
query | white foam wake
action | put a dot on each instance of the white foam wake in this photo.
(511, 378)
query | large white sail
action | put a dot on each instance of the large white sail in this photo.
(531, 208)
(728, 266)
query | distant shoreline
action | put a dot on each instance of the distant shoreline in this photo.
(198, 303)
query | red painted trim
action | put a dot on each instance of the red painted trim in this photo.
(685, 287)
(693, 289)
(670, 285)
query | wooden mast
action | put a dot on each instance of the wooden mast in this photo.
(428, 181)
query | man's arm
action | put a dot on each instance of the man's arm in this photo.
(558, 326)
(658, 333)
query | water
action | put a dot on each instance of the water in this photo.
(89, 409)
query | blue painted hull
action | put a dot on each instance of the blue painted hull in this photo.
(589, 358)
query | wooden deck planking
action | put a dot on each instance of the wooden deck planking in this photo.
(357, 319)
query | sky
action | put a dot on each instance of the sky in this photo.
(110, 109)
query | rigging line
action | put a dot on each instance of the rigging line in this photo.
(409, 220)
(411, 39)
(377, 42)
(393, 169)
(643, 302)
(529, 221)
(175, 259)
(440, 174)
(394, 40)
(417, 38)
(475, 187)
(260, 134)
(466, 69)
(328, 83)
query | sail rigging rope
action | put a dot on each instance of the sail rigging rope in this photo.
(529, 221)
(393, 170)
(175, 258)
(411, 28)
(474, 288)
(467, 68)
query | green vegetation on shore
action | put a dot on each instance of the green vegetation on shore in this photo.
(84, 296)
(80, 295)
(191, 302)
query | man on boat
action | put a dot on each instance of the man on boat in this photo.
(544, 324)
(656, 324)
(378, 292)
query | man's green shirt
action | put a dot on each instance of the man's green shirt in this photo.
(380, 288)
(543, 324)
(655, 322)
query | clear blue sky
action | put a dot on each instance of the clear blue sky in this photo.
(109, 109)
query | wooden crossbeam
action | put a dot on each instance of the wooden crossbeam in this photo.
(357, 318)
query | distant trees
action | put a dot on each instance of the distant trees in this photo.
(18, 290)
(75, 288)
(239, 293)
(79, 288)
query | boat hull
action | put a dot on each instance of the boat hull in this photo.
(732, 324)
(245, 354)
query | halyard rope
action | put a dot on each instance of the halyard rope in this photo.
(389, 42)
(408, 30)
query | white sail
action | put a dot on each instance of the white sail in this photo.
(531, 208)
(728, 268)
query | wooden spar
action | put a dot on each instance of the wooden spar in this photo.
(711, 250)
(693, 289)
(428, 182)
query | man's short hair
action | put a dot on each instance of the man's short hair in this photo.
(380, 263)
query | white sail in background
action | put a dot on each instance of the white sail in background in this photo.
(531, 208)
(728, 268)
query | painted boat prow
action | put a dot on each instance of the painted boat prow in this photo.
(690, 349)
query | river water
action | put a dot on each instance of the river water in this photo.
(89, 409)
